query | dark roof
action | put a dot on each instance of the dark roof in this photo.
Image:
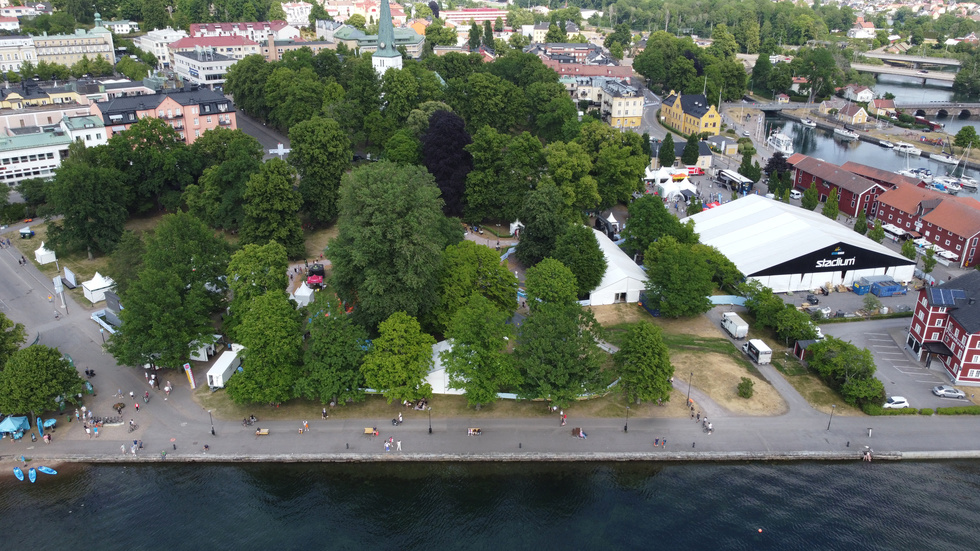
(835, 175)
(695, 105)
(963, 292)
(202, 96)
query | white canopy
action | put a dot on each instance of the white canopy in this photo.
(96, 287)
(623, 280)
(303, 295)
(44, 255)
(437, 377)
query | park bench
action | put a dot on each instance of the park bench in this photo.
(372, 431)
(262, 432)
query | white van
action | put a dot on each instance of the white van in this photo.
(795, 194)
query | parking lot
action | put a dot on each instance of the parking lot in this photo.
(898, 369)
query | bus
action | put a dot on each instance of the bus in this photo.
(735, 181)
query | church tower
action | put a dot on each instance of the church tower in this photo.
(386, 56)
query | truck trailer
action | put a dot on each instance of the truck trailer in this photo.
(758, 351)
(734, 325)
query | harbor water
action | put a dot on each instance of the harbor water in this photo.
(907, 505)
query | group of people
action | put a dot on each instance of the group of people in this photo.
(248, 420)
(421, 405)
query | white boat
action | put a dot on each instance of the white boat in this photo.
(944, 158)
(948, 184)
(886, 144)
(808, 123)
(907, 149)
(781, 143)
(967, 182)
(845, 133)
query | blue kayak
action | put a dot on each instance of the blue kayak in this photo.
(18, 473)
(47, 470)
(32, 474)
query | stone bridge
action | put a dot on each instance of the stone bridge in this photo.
(939, 110)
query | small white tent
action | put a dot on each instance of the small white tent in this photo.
(96, 287)
(437, 377)
(303, 295)
(623, 280)
(43, 255)
(203, 352)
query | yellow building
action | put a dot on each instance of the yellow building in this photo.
(622, 104)
(690, 114)
(66, 49)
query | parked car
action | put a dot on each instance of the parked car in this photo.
(746, 133)
(896, 402)
(795, 194)
(946, 391)
(812, 299)
(923, 72)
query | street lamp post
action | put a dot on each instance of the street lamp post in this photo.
(430, 420)
(626, 427)
(102, 332)
(832, 409)
(212, 422)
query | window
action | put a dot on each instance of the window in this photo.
(973, 373)
(208, 120)
(196, 122)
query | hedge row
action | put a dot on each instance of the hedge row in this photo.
(960, 410)
(876, 410)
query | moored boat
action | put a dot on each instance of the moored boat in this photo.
(944, 158)
(907, 149)
(886, 144)
(845, 133)
(781, 143)
(808, 123)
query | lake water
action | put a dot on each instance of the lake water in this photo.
(498, 506)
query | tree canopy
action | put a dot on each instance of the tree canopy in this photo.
(271, 205)
(12, 335)
(321, 152)
(399, 359)
(679, 281)
(469, 268)
(578, 249)
(335, 349)
(643, 364)
(388, 250)
(34, 378)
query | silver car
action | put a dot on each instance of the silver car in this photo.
(946, 391)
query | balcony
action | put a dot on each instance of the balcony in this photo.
(224, 123)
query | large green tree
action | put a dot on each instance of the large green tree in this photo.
(294, 95)
(558, 354)
(392, 232)
(169, 305)
(335, 349)
(34, 378)
(126, 261)
(679, 281)
(478, 362)
(92, 200)
(246, 81)
(543, 223)
(831, 209)
(12, 335)
(690, 154)
(321, 153)
(156, 164)
(399, 359)
(469, 268)
(570, 168)
(271, 332)
(253, 271)
(271, 205)
(643, 364)
(667, 155)
(811, 198)
(228, 159)
(618, 162)
(649, 220)
(578, 249)
(966, 137)
(550, 282)
(877, 233)
(446, 157)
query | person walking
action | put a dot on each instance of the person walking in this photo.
(324, 414)
(306, 426)
(96, 432)
(399, 448)
(122, 448)
(137, 405)
(387, 446)
(88, 431)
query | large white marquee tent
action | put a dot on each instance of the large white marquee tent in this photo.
(788, 248)
(623, 280)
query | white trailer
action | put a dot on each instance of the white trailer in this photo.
(758, 351)
(734, 325)
(224, 367)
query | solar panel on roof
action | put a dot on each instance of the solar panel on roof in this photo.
(946, 297)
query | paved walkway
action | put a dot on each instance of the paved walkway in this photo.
(179, 421)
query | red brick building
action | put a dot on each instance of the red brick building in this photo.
(946, 327)
(191, 112)
(854, 193)
(951, 223)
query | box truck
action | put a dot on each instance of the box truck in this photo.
(736, 326)
(758, 351)
(224, 367)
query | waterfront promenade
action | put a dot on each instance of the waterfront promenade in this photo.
(179, 421)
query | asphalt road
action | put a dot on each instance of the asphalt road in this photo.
(268, 137)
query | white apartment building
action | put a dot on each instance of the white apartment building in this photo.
(256, 32)
(203, 67)
(14, 50)
(297, 13)
(156, 42)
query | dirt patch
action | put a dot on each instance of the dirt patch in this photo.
(316, 241)
(718, 376)
(617, 314)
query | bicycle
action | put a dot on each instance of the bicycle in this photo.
(133, 427)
